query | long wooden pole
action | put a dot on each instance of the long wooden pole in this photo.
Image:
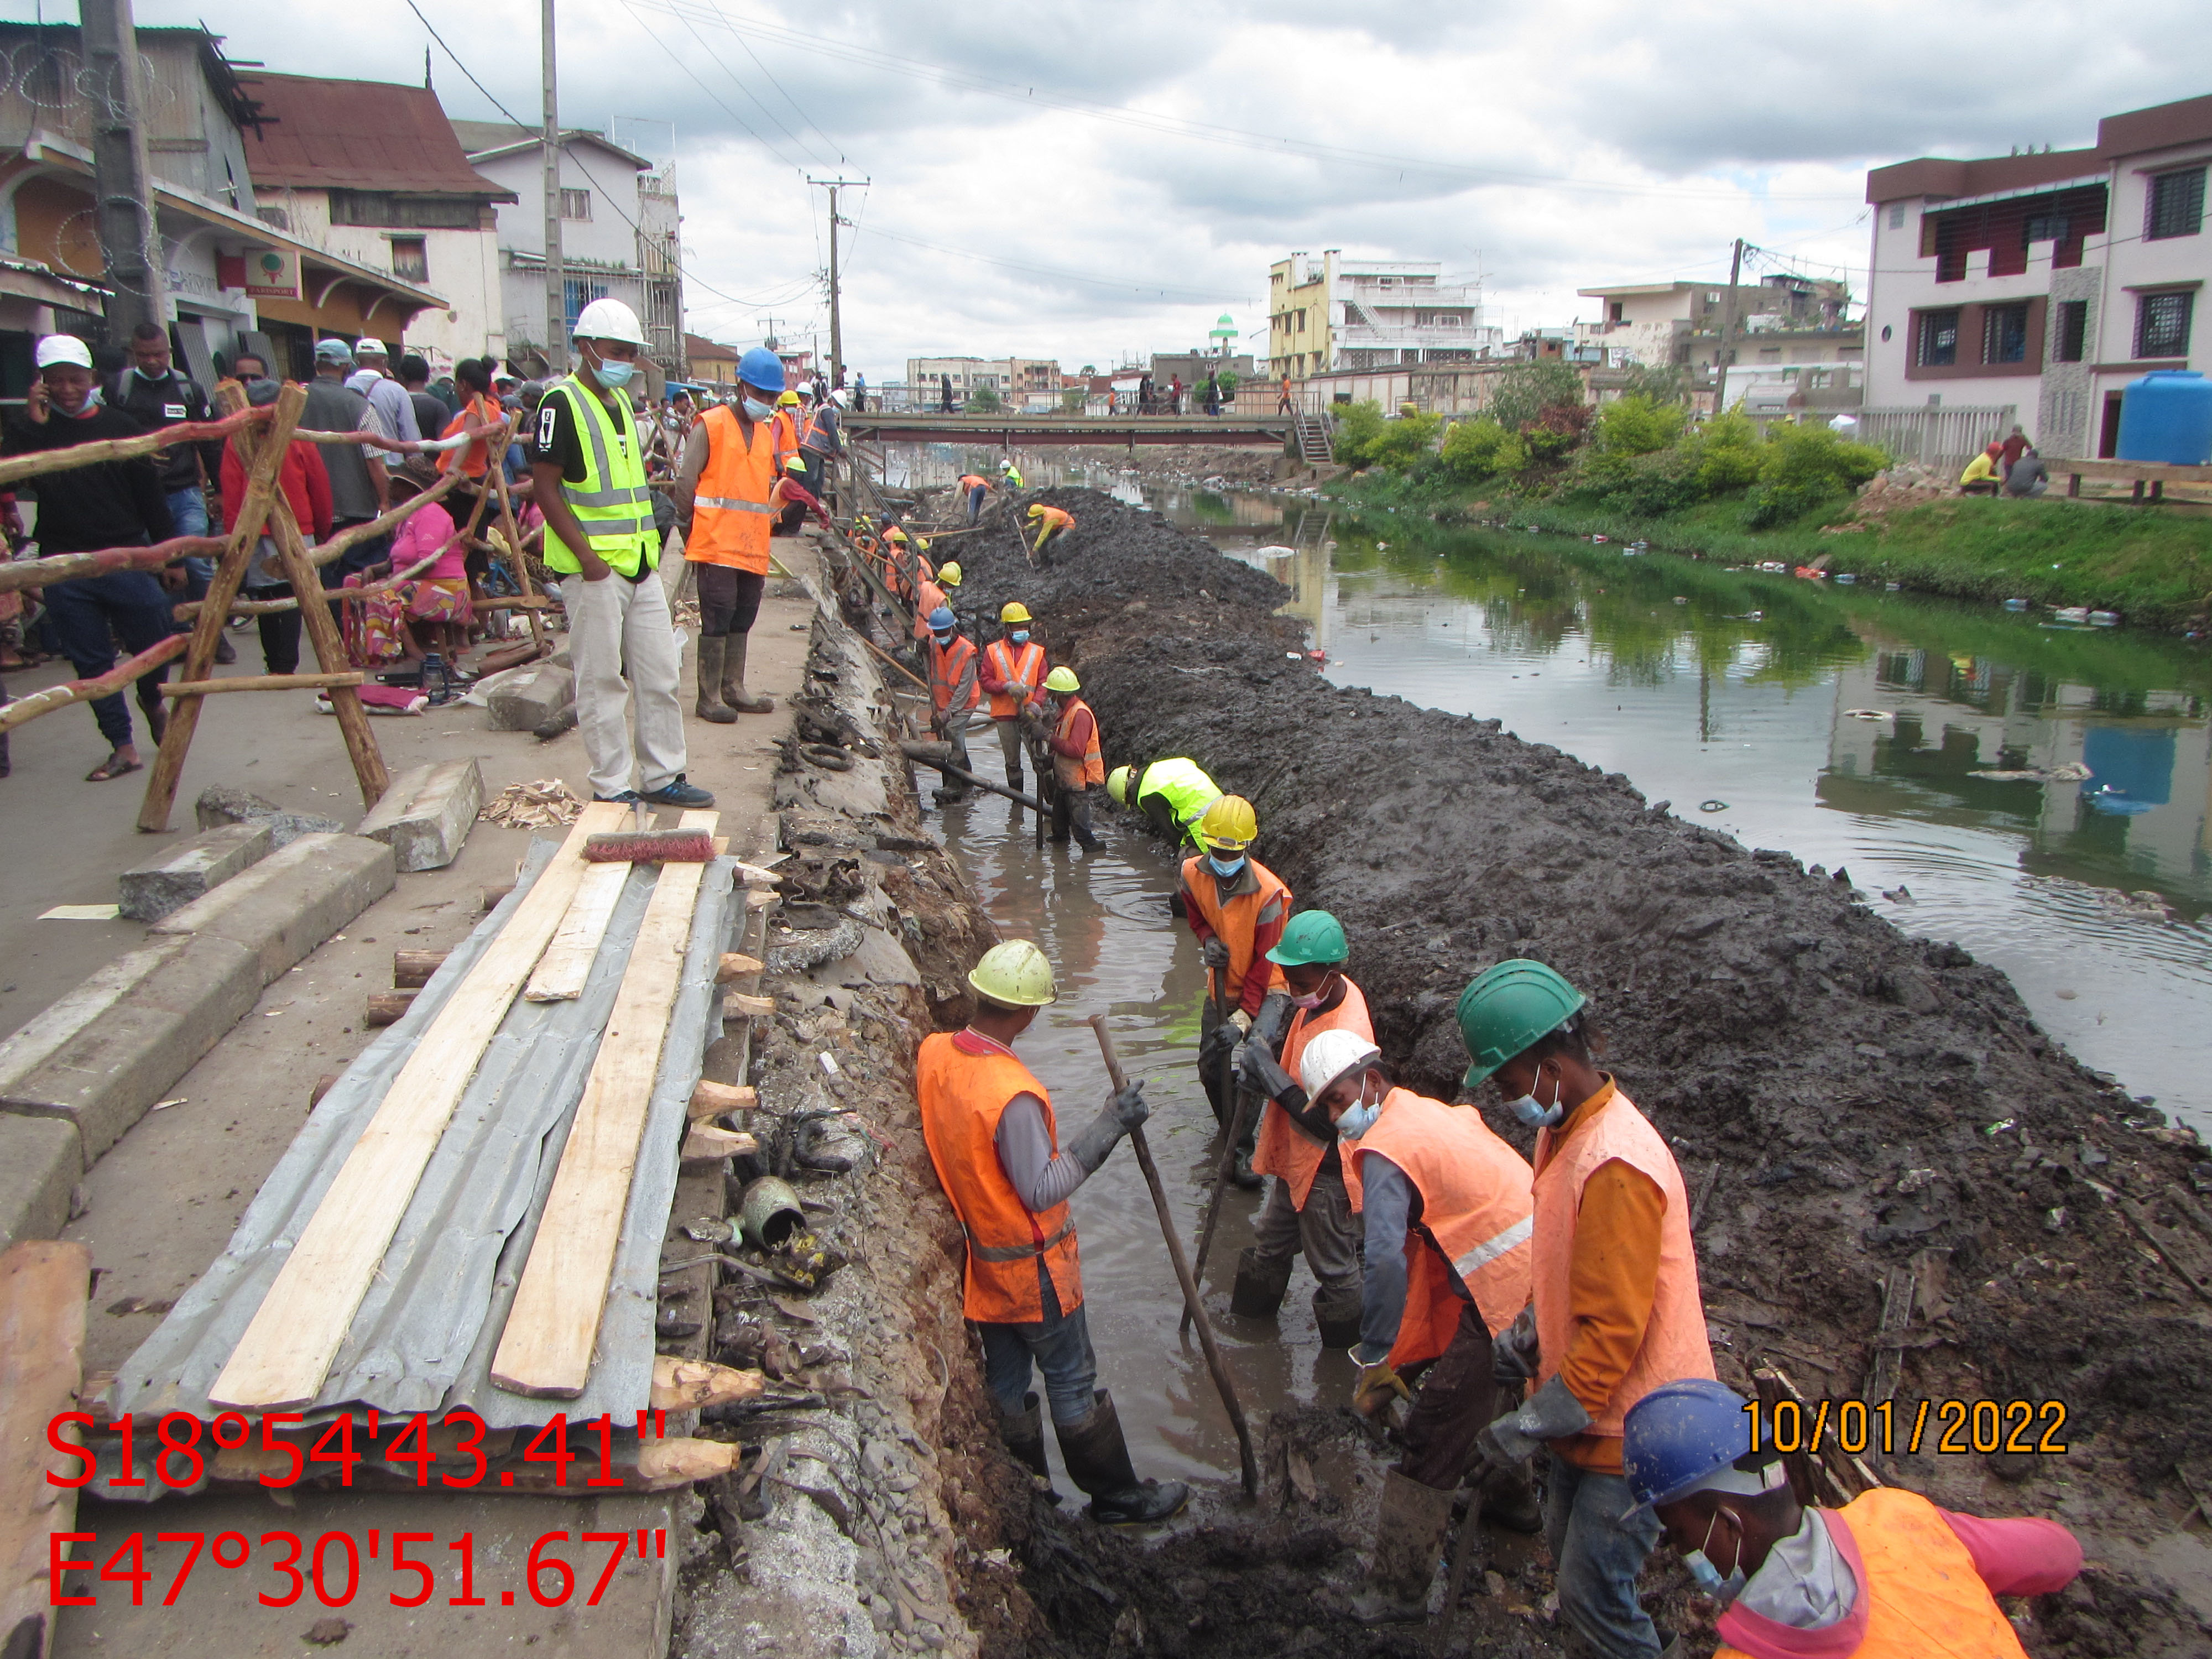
(69, 567)
(323, 552)
(893, 661)
(515, 550)
(262, 682)
(19, 467)
(24, 710)
(1193, 1307)
(322, 626)
(1225, 1167)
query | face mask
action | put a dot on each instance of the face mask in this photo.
(943, 639)
(1225, 867)
(612, 373)
(757, 410)
(1022, 638)
(1723, 1591)
(1534, 1113)
(1359, 1119)
(1313, 999)
(143, 375)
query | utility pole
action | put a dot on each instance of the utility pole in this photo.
(122, 174)
(837, 325)
(1721, 352)
(556, 286)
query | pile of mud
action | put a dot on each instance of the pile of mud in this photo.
(1845, 1100)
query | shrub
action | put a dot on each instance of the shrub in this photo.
(1404, 441)
(1358, 428)
(1726, 454)
(1642, 486)
(1635, 425)
(1527, 393)
(1803, 467)
(1481, 449)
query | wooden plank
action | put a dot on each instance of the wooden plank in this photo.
(545, 1350)
(281, 1360)
(262, 682)
(713, 1099)
(43, 1287)
(322, 631)
(568, 961)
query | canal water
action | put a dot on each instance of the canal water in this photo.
(2042, 794)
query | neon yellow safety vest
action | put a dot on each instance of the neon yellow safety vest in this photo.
(1187, 789)
(612, 502)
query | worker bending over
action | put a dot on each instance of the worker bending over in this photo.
(1077, 768)
(1237, 908)
(1889, 1576)
(1446, 1208)
(996, 1144)
(953, 695)
(1012, 676)
(728, 492)
(1051, 522)
(1172, 794)
(975, 487)
(1615, 1309)
(935, 591)
(1309, 1208)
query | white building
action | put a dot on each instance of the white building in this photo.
(2042, 283)
(1018, 383)
(1329, 313)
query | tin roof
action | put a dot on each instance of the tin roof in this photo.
(358, 135)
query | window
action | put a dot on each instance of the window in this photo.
(2004, 334)
(2162, 324)
(411, 259)
(2176, 204)
(396, 210)
(1938, 343)
(1897, 216)
(2044, 227)
(576, 293)
(576, 205)
(2073, 341)
(1620, 309)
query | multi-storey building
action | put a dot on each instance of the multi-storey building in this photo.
(1327, 312)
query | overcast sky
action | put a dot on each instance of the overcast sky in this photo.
(1086, 181)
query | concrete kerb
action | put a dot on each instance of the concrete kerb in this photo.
(427, 813)
(530, 695)
(183, 873)
(40, 1159)
(292, 901)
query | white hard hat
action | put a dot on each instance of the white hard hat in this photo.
(62, 349)
(371, 348)
(608, 320)
(1329, 1056)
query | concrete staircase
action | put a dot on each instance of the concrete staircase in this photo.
(1315, 435)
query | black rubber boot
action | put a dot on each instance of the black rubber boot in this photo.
(709, 706)
(1337, 1313)
(1024, 1434)
(733, 679)
(1260, 1285)
(1244, 1174)
(1097, 1460)
(1014, 781)
(1409, 1539)
(1508, 1501)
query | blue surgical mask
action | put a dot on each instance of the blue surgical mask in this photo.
(944, 638)
(1359, 1119)
(1534, 1113)
(1224, 868)
(611, 373)
(757, 410)
(1723, 1591)
(1022, 637)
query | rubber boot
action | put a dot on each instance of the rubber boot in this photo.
(1014, 781)
(1409, 1539)
(1260, 1286)
(1337, 1313)
(709, 706)
(1023, 1434)
(1508, 1501)
(733, 679)
(1097, 1460)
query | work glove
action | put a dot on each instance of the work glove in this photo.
(1553, 1413)
(1513, 1354)
(1259, 1072)
(1378, 1385)
(1219, 1041)
(1242, 1021)
(1215, 953)
(1129, 1104)
(1123, 1111)
(1237, 1052)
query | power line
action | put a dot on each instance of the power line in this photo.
(780, 88)
(685, 66)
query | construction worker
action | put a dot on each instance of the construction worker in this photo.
(587, 474)
(953, 695)
(1615, 1309)
(1310, 1207)
(1172, 794)
(1077, 768)
(976, 487)
(1051, 521)
(995, 1145)
(1009, 478)
(1012, 676)
(820, 443)
(1237, 908)
(1888, 1576)
(930, 596)
(1445, 1212)
(728, 492)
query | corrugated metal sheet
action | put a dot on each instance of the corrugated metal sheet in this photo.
(357, 134)
(423, 1337)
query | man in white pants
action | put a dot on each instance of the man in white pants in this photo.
(588, 459)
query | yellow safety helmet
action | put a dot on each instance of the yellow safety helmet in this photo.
(1037, 510)
(794, 463)
(1014, 974)
(948, 573)
(788, 400)
(1063, 679)
(1229, 824)
(1118, 784)
(895, 534)
(922, 544)
(1013, 611)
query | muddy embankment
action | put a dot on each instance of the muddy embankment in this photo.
(1845, 1101)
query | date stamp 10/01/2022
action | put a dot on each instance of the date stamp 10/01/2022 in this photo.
(1950, 1428)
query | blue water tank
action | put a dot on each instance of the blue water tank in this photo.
(2167, 417)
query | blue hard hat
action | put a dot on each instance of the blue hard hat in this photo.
(1679, 1435)
(762, 370)
(942, 619)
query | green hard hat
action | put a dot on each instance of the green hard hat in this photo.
(1309, 937)
(1508, 1008)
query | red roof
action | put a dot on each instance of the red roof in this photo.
(357, 134)
(696, 346)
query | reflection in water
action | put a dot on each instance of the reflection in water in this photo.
(2010, 784)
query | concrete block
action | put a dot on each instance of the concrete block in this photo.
(532, 695)
(193, 866)
(39, 1162)
(224, 804)
(106, 1051)
(293, 900)
(424, 817)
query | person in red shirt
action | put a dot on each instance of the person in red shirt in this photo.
(306, 484)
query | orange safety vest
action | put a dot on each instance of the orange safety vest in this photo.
(947, 662)
(963, 1097)
(1011, 662)
(1282, 1148)
(1056, 516)
(1236, 922)
(969, 481)
(474, 456)
(732, 515)
(931, 597)
(1069, 772)
(786, 423)
(1476, 1219)
(1923, 1598)
(1675, 1344)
